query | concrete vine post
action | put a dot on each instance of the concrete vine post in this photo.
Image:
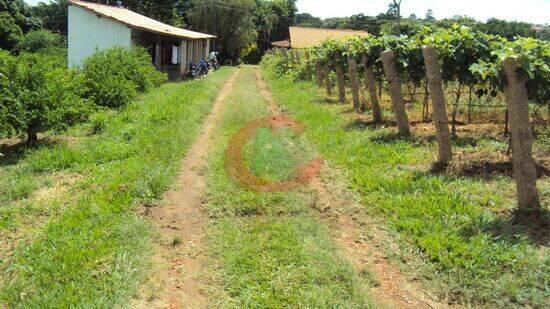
(525, 172)
(435, 86)
(396, 95)
(352, 65)
(284, 53)
(371, 87)
(328, 85)
(309, 73)
(341, 80)
(319, 69)
(297, 56)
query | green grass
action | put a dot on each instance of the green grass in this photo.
(274, 156)
(94, 251)
(451, 221)
(270, 249)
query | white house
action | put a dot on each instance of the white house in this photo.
(95, 27)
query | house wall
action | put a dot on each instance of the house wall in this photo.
(89, 33)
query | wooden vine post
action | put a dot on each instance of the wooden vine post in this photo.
(435, 86)
(354, 83)
(328, 85)
(395, 93)
(319, 69)
(371, 87)
(522, 140)
(341, 80)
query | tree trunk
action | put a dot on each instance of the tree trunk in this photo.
(341, 82)
(524, 164)
(371, 87)
(435, 85)
(395, 93)
(354, 83)
(32, 136)
(328, 85)
(319, 69)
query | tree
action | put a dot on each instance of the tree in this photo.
(38, 93)
(53, 15)
(308, 20)
(232, 22)
(429, 15)
(39, 40)
(10, 32)
(395, 10)
(16, 18)
(508, 29)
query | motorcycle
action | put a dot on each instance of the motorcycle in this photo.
(198, 69)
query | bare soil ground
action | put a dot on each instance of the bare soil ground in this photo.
(175, 282)
(336, 206)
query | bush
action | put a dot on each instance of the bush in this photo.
(39, 93)
(115, 76)
(278, 66)
(39, 40)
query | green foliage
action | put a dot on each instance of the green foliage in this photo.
(10, 32)
(467, 56)
(39, 40)
(459, 47)
(507, 29)
(115, 76)
(49, 12)
(105, 244)
(280, 66)
(39, 94)
(16, 18)
(236, 29)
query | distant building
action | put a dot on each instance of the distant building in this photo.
(303, 37)
(94, 27)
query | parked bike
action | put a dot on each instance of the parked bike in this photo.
(198, 69)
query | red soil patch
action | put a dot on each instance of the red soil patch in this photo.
(238, 170)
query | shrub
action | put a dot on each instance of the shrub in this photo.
(39, 93)
(115, 76)
(278, 66)
(39, 40)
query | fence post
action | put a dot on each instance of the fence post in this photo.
(341, 80)
(435, 86)
(328, 85)
(524, 165)
(319, 69)
(371, 87)
(354, 83)
(395, 93)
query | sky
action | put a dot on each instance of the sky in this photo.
(532, 11)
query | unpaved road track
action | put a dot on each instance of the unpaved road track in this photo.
(393, 290)
(181, 223)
